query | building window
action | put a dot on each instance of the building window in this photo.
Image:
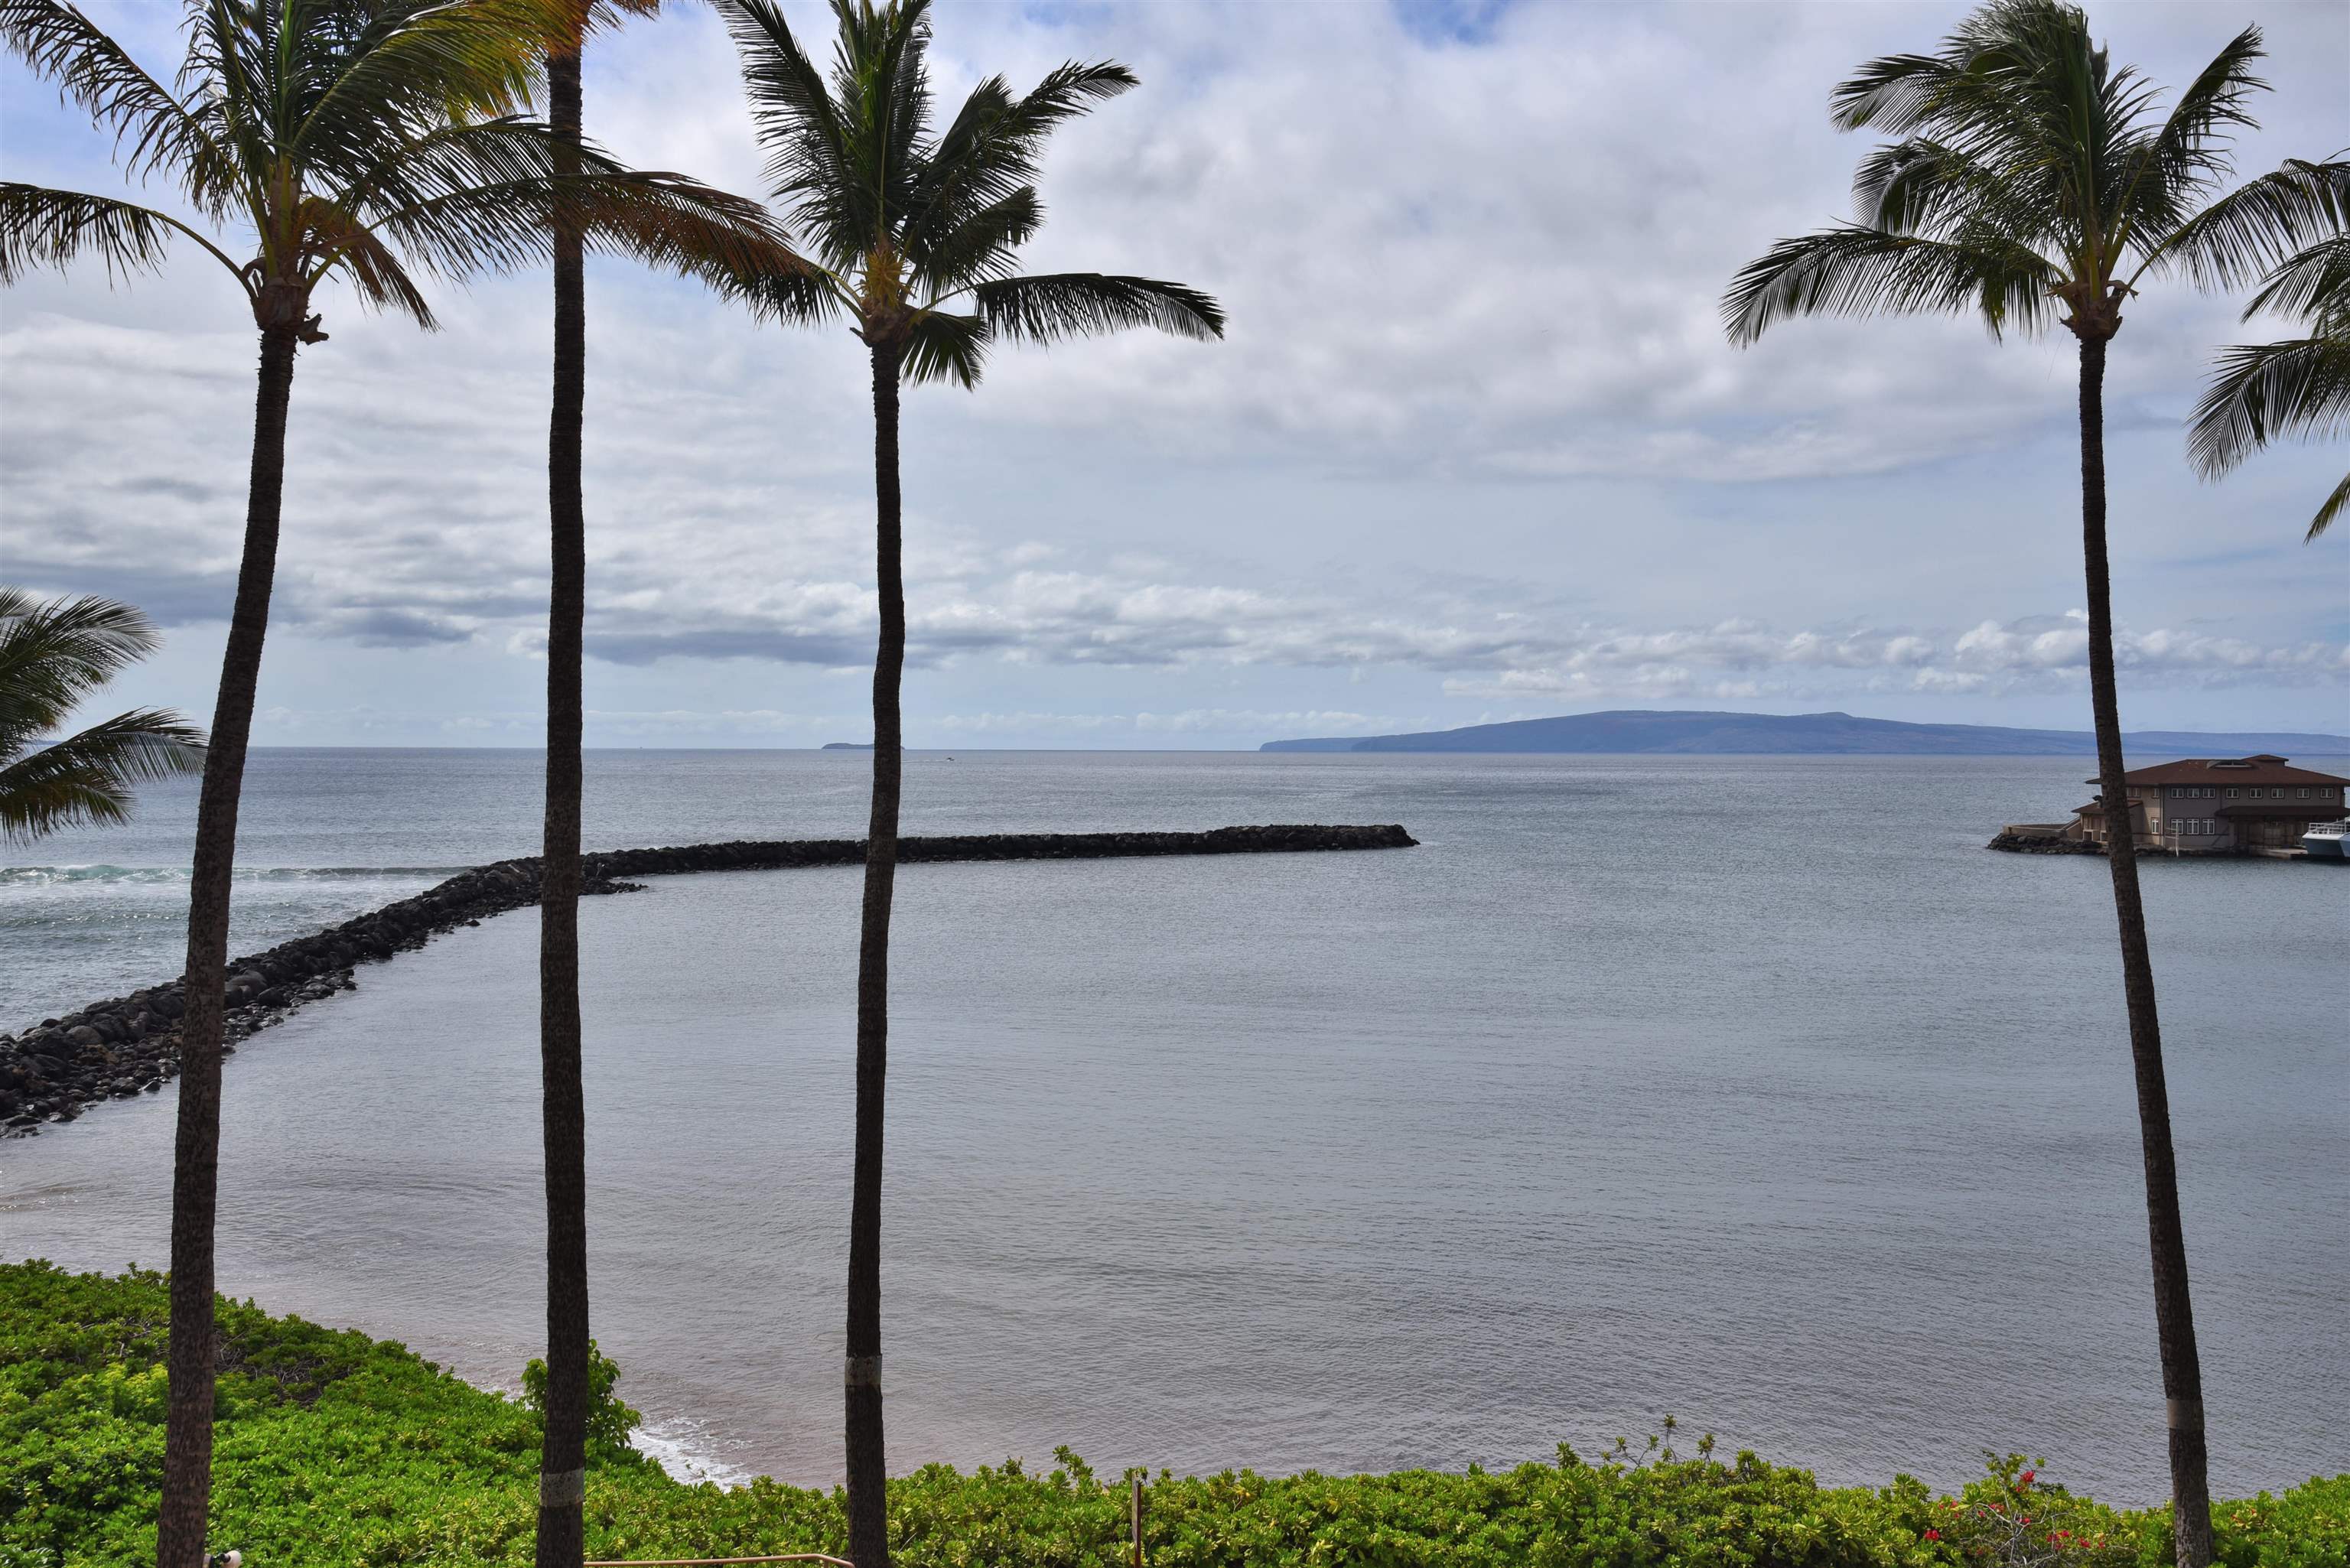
(2231, 792)
(2304, 794)
(2277, 793)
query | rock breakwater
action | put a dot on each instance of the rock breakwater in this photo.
(2033, 840)
(126, 1045)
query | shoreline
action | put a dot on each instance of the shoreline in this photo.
(129, 1044)
(357, 1448)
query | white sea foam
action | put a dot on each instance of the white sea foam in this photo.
(55, 875)
(684, 1445)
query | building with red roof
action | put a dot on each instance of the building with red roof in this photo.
(2221, 805)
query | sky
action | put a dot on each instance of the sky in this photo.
(1475, 447)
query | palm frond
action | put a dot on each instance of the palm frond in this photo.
(1854, 270)
(1896, 93)
(1930, 189)
(2264, 393)
(902, 64)
(87, 778)
(994, 146)
(373, 271)
(486, 195)
(800, 295)
(2258, 225)
(54, 654)
(979, 247)
(792, 110)
(419, 64)
(2017, 87)
(2328, 512)
(40, 227)
(2189, 154)
(229, 73)
(2310, 284)
(1047, 308)
(153, 131)
(944, 346)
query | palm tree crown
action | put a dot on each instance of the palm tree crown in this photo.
(913, 234)
(371, 141)
(52, 656)
(2031, 172)
(2299, 387)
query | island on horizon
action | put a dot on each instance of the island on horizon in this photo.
(1633, 731)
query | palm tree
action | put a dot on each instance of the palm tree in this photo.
(2300, 386)
(912, 235)
(563, 1105)
(364, 140)
(2031, 174)
(52, 656)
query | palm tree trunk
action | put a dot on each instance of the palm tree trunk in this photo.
(195, 1164)
(562, 1465)
(2174, 1313)
(867, 1462)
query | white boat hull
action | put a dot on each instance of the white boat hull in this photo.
(2325, 841)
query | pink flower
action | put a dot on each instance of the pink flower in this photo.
(1933, 1535)
(2025, 1480)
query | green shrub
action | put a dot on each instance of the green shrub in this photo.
(335, 1449)
(609, 1422)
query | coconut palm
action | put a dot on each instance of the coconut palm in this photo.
(368, 141)
(2263, 393)
(913, 234)
(53, 656)
(563, 1108)
(2031, 174)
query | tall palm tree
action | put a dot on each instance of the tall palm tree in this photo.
(2262, 392)
(563, 1105)
(52, 656)
(913, 236)
(2031, 174)
(363, 140)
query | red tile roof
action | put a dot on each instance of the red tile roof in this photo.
(2262, 769)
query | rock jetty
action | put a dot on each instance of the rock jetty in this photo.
(2041, 838)
(131, 1044)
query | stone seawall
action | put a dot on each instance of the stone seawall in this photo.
(2029, 838)
(127, 1045)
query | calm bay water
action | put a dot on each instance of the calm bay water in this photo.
(1753, 1090)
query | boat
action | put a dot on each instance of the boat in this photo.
(2327, 840)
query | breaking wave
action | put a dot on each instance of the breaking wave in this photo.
(57, 876)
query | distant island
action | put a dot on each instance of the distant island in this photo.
(847, 746)
(1632, 731)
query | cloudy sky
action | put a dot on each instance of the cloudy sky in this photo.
(1474, 449)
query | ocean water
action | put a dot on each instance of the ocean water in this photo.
(1751, 1090)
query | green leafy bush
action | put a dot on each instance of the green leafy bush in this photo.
(609, 1422)
(333, 1448)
